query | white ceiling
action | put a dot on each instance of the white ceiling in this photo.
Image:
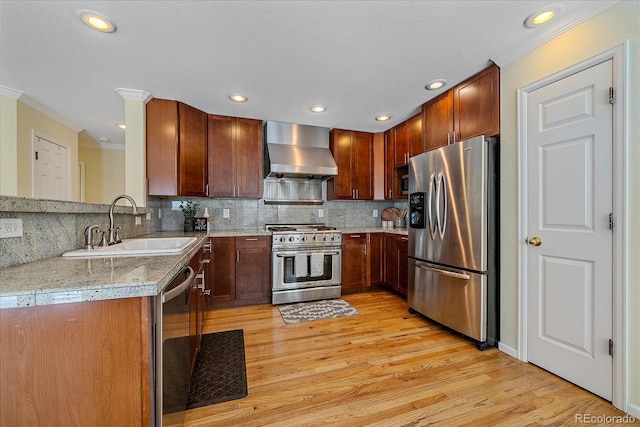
(359, 58)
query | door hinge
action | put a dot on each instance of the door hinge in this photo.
(611, 221)
(612, 95)
(610, 347)
(36, 155)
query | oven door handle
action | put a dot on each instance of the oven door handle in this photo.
(284, 255)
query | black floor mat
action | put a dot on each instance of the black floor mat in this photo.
(220, 373)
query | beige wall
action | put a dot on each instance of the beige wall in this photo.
(8, 146)
(603, 32)
(104, 173)
(30, 120)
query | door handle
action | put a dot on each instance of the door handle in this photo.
(534, 241)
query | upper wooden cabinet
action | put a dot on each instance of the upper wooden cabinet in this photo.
(176, 149)
(470, 109)
(389, 145)
(408, 140)
(353, 152)
(235, 157)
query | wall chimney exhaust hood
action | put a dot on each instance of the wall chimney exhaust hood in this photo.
(298, 151)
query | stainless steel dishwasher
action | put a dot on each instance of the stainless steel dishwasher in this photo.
(172, 349)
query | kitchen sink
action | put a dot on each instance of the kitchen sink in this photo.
(148, 246)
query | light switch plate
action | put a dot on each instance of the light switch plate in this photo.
(320, 213)
(10, 227)
(148, 217)
(225, 213)
(138, 220)
(175, 205)
(375, 213)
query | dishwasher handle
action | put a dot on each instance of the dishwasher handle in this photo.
(171, 294)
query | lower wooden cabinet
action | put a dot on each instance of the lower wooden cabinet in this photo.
(241, 271)
(362, 259)
(197, 306)
(396, 262)
(77, 364)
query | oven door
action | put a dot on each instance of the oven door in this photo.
(306, 268)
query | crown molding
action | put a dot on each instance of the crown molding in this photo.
(37, 105)
(134, 95)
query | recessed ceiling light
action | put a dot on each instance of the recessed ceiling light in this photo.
(122, 126)
(104, 139)
(97, 21)
(544, 15)
(318, 108)
(383, 117)
(237, 97)
(435, 84)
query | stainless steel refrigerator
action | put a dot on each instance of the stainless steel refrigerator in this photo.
(453, 238)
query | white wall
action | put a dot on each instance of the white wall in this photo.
(602, 32)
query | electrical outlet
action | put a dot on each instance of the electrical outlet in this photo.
(10, 227)
(159, 213)
(148, 217)
(320, 213)
(175, 205)
(225, 213)
(138, 220)
(375, 213)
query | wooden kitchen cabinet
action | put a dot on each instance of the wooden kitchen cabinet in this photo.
(241, 271)
(78, 364)
(470, 109)
(396, 260)
(235, 157)
(375, 258)
(253, 269)
(353, 152)
(176, 149)
(389, 178)
(354, 260)
(408, 140)
(197, 309)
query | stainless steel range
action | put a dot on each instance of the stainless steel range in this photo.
(306, 262)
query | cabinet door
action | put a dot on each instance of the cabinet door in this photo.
(390, 261)
(362, 165)
(389, 138)
(354, 260)
(401, 150)
(374, 258)
(340, 187)
(402, 244)
(415, 130)
(162, 147)
(249, 172)
(476, 105)
(193, 151)
(437, 121)
(253, 269)
(222, 156)
(223, 276)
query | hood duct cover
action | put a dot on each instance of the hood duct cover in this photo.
(298, 151)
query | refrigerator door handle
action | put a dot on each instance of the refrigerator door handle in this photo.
(457, 275)
(441, 192)
(431, 224)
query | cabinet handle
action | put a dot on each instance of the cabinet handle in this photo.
(448, 138)
(365, 250)
(237, 256)
(205, 261)
(254, 239)
(207, 247)
(206, 291)
(357, 194)
(404, 238)
(206, 190)
(355, 236)
(390, 194)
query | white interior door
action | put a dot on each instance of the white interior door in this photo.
(570, 199)
(50, 170)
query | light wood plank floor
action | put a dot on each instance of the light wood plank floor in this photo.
(383, 367)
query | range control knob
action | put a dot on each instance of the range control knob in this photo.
(282, 239)
(333, 237)
(315, 237)
(304, 238)
(291, 239)
(324, 238)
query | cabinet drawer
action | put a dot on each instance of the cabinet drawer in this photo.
(252, 242)
(348, 238)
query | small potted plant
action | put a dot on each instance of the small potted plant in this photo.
(189, 210)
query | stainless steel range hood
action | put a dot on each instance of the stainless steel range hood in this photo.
(298, 151)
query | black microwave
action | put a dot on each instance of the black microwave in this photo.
(404, 184)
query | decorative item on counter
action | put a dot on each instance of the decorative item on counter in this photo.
(208, 217)
(200, 224)
(394, 217)
(189, 210)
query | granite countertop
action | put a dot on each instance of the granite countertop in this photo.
(63, 280)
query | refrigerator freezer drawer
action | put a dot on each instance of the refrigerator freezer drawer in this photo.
(456, 299)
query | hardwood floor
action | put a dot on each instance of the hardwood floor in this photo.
(383, 367)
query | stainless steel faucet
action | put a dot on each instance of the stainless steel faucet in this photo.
(114, 236)
(88, 236)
